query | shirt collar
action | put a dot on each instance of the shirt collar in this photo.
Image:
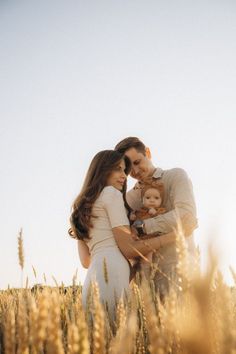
(158, 173)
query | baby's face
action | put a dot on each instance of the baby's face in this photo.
(152, 198)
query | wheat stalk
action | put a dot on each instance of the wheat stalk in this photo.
(98, 322)
(22, 327)
(54, 342)
(10, 331)
(21, 254)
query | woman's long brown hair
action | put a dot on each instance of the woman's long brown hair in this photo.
(99, 170)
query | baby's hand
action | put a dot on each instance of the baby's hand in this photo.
(132, 216)
(152, 211)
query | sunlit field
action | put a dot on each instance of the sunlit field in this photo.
(198, 316)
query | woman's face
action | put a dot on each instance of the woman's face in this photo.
(117, 177)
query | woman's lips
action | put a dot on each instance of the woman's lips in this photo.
(121, 182)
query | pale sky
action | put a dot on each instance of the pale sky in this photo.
(78, 76)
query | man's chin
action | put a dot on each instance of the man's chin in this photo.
(140, 178)
(143, 178)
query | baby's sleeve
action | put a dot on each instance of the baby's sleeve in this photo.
(114, 205)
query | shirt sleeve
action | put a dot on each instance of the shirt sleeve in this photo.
(182, 200)
(114, 205)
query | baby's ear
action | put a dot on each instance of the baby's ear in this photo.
(148, 153)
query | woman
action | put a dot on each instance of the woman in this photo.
(99, 208)
(100, 223)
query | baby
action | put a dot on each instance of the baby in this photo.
(152, 194)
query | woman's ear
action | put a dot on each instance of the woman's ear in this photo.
(148, 153)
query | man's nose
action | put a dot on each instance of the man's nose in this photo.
(134, 170)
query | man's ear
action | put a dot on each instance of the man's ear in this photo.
(148, 153)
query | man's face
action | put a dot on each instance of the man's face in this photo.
(142, 166)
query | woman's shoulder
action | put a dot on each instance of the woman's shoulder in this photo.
(110, 194)
(110, 191)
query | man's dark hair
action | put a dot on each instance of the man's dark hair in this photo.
(131, 142)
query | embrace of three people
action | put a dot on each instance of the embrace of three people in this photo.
(117, 229)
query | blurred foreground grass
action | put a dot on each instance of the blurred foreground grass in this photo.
(198, 318)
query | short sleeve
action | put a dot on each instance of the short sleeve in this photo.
(114, 205)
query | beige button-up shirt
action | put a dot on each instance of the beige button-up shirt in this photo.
(178, 200)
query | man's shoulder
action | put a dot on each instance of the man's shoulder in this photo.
(174, 172)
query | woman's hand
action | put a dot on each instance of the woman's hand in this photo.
(132, 216)
(134, 234)
(84, 253)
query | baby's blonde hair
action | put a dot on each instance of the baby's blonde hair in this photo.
(153, 184)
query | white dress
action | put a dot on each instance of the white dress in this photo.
(108, 267)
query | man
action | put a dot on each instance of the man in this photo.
(178, 200)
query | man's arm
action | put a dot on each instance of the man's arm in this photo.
(181, 198)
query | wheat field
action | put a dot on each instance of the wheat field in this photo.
(198, 316)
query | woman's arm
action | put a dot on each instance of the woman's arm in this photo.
(84, 254)
(131, 247)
